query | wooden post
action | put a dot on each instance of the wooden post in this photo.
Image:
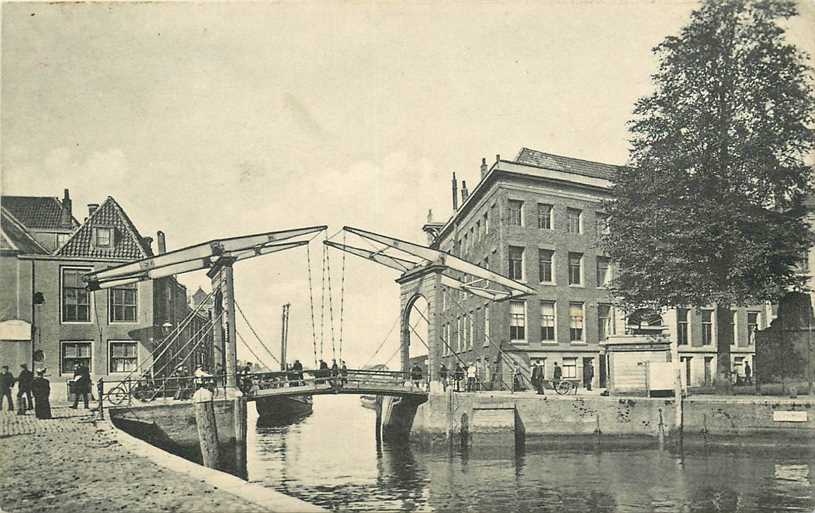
(100, 389)
(240, 434)
(207, 429)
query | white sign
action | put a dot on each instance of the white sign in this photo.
(790, 416)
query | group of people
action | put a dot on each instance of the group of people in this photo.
(33, 392)
(336, 375)
(475, 377)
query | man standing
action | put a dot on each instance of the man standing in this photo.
(42, 392)
(443, 376)
(471, 377)
(557, 373)
(24, 399)
(748, 373)
(6, 384)
(588, 374)
(416, 375)
(537, 377)
(458, 376)
(82, 384)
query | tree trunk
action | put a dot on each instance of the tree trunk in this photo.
(724, 338)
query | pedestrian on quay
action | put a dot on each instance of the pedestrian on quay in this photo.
(82, 384)
(443, 376)
(477, 374)
(537, 377)
(416, 375)
(748, 373)
(517, 381)
(6, 384)
(24, 399)
(458, 376)
(41, 388)
(557, 373)
(471, 377)
(588, 375)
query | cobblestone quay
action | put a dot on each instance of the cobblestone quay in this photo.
(73, 464)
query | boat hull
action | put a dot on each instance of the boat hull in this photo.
(277, 407)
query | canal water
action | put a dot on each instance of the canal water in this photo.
(332, 458)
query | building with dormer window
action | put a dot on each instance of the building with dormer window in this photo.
(48, 318)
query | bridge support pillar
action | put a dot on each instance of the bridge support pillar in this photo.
(222, 276)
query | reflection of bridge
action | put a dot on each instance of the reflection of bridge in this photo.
(322, 382)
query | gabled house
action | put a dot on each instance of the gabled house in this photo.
(114, 331)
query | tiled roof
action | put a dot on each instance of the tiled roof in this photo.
(14, 237)
(567, 164)
(37, 212)
(127, 242)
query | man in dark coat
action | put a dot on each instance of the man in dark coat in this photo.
(537, 378)
(557, 373)
(24, 399)
(588, 375)
(458, 376)
(416, 375)
(82, 384)
(443, 376)
(6, 384)
(42, 392)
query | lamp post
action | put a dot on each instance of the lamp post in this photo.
(165, 330)
(37, 299)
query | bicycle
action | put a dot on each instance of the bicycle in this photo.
(561, 387)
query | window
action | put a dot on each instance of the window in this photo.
(605, 327)
(575, 268)
(123, 303)
(576, 322)
(569, 368)
(516, 263)
(103, 237)
(459, 332)
(464, 246)
(123, 357)
(544, 216)
(574, 218)
(682, 326)
(603, 271)
(493, 215)
(548, 321)
(753, 325)
(486, 325)
(75, 353)
(707, 327)
(76, 301)
(62, 238)
(733, 327)
(470, 330)
(517, 320)
(515, 212)
(545, 267)
(486, 223)
(601, 223)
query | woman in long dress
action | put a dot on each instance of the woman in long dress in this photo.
(41, 388)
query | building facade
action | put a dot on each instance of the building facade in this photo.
(536, 219)
(48, 318)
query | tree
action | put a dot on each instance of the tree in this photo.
(709, 210)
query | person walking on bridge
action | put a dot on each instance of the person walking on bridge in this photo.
(322, 373)
(335, 374)
(416, 375)
(297, 367)
(343, 374)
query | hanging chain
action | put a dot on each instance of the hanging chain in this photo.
(342, 295)
(330, 305)
(311, 302)
(322, 304)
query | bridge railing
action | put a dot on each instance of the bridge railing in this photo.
(149, 388)
(356, 378)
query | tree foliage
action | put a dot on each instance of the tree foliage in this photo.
(709, 211)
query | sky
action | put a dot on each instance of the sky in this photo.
(210, 120)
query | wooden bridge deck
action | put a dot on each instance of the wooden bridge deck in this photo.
(348, 388)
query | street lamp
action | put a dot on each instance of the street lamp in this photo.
(37, 298)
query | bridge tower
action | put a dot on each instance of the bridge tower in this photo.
(422, 282)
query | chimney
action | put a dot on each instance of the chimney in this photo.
(67, 218)
(92, 208)
(483, 167)
(455, 193)
(497, 157)
(148, 241)
(162, 244)
(464, 192)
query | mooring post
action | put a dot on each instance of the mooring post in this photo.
(204, 410)
(240, 433)
(100, 389)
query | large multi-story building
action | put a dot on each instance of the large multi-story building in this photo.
(49, 319)
(536, 219)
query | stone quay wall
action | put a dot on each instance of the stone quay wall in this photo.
(473, 414)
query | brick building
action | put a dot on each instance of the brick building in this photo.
(44, 252)
(536, 219)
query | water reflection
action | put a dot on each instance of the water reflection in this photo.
(333, 458)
